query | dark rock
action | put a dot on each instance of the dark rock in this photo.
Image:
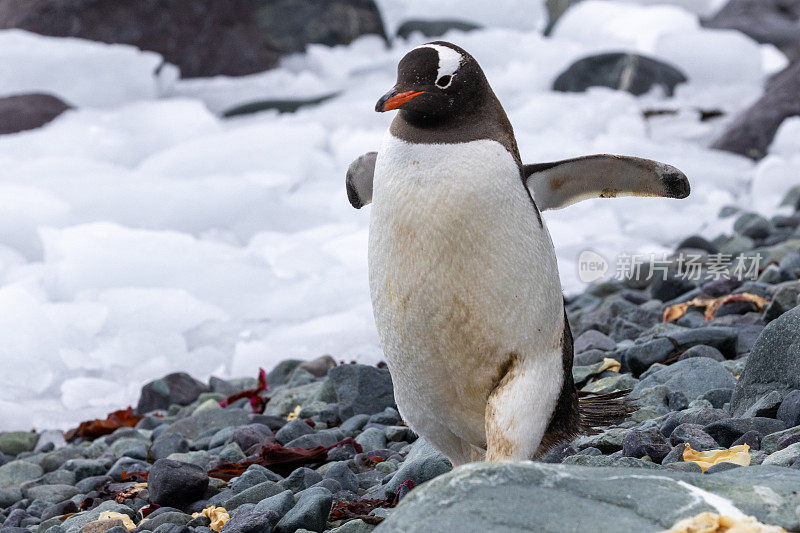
(752, 225)
(593, 340)
(251, 435)
(721, 467)
(639, 443)
(773, 364)
(789, 410)
(670, 286)
(788, 440)
(59, 509)
(281, 105)
(252, 522)
(433, 28)
(255, 494)
(208, 422)
(693, 435)
(720, 287)
(640, 357)
(766, 406)
(718, 397)
(362, 389)
(701, 350)
(301, 479)
(178, 388)
(280, 504)
(169, 518)
(746, 339)
(310, 512)
(558, 453)
(273, 422)
(294, 429)
(84, 468)
(702, 416)
(28, 111)
(728, 430)
(387, 417)
(176, 484)
(751, 438)
(767, 21)
(751, 133)
(634, 73)
(166, 445)
(238, 37)
(422, 463)
(129, 465)
(692, 377)
(319, 366)
(590, 357)
(696, 242)
(344, 475)
(280, 374)
(785, 298)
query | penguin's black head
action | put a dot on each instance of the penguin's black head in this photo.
(435, 82)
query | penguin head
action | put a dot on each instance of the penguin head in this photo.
(435, 82)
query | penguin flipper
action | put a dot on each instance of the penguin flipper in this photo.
(359, 180)
(562, 183)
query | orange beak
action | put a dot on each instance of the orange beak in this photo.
(393, 100)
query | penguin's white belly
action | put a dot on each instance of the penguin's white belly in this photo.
(463, 279)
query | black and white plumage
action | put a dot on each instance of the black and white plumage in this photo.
(463, 274)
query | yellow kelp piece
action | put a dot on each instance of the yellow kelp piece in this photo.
(217, 515)
(738, 455)
(714, 523)
(126, 520)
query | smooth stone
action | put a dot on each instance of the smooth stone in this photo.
(423, 463)
(310, 511)
(15, 473)
(300, 479)
(693, 377)
(512, 496)
(593, 340)
(178, 388)
(789, 410)
(292, 430)
(16, 442)
(728, 430)
(361, 389)
(50, 493)
(176, 484)
(773, 364)
(254, 494)
(280, 503)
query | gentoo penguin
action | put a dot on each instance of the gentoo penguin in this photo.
(462, 271)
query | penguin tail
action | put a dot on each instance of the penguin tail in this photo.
(603, 410)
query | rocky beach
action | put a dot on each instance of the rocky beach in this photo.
(318, 445)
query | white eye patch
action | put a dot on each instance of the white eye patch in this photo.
(449, 61)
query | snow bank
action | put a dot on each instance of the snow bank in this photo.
(80, 72)
(142, 234)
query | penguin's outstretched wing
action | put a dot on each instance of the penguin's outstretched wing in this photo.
(359, 180)
(562, 183)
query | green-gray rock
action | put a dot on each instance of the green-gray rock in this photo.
(16, 442)
(15, 473)
(556, 498)
(773, 364)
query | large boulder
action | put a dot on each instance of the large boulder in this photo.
(28, 111)
(751, 133)
(634, 73)
(554, 498)
(767, 21)
(235, 37)
(179, 388)
(773, 364)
